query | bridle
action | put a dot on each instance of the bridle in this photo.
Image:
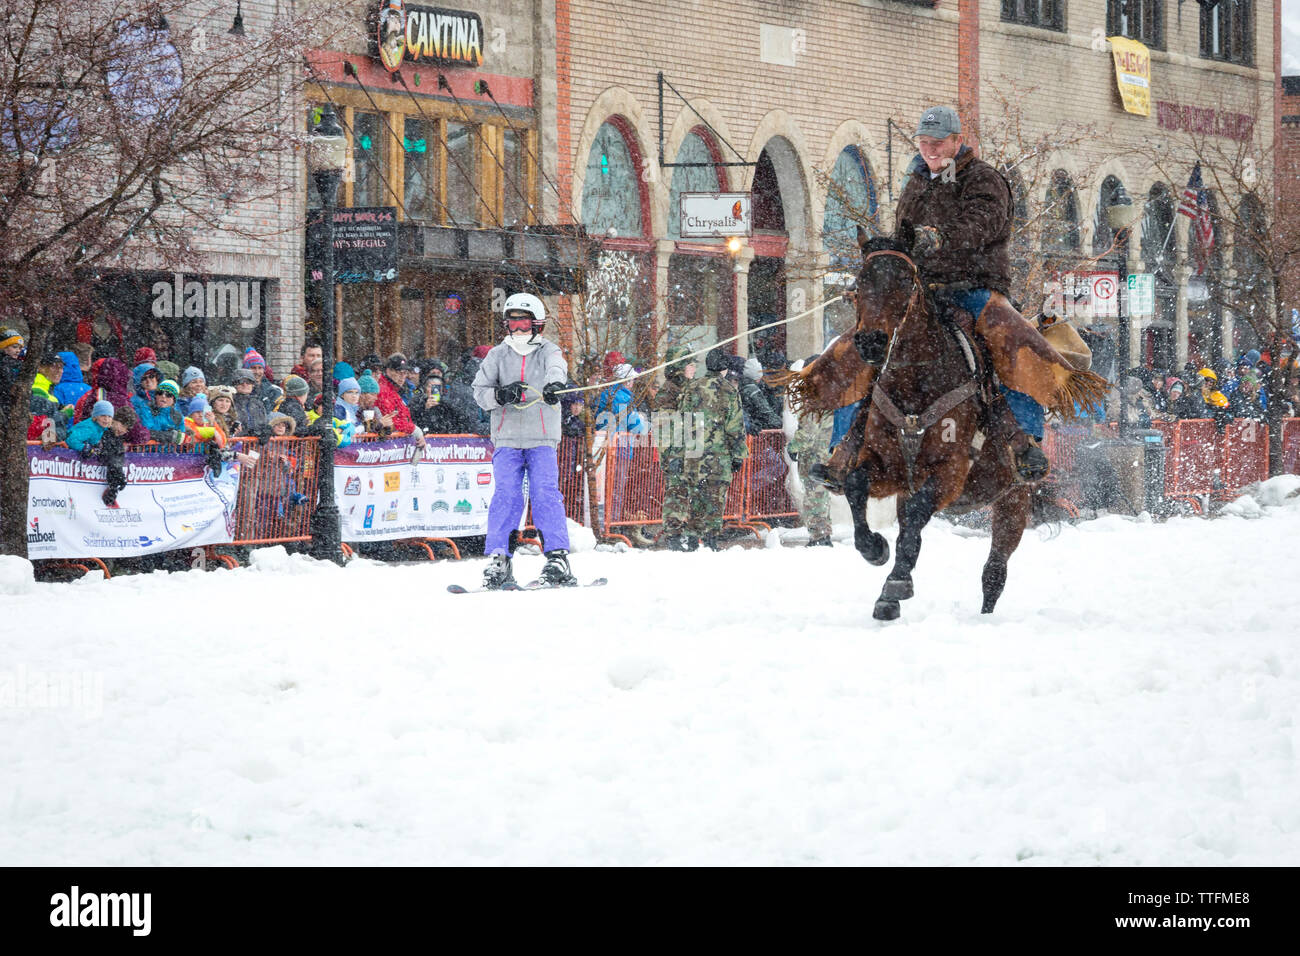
(912, 428)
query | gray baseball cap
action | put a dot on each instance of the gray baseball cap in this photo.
(939, 122)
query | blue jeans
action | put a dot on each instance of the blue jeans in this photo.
(1029, 414)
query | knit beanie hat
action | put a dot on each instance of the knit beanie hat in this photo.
(716, 360)
(368, 384)
(168, 387)
(244, 375)
(199, 403)
(221, 391)
(101, 407)
(125, 415)
(349, 385)
(293, 385)
(169, 370)
(10, 337)
(145, 354)
(343, 370)
(252, 357)
(753, 370)
(191, 374)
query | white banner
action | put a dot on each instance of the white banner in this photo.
(391, 489)
(171, 501)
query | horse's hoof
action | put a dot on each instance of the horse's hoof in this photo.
(898, 589)
(886, 610)
(873, 547)
(988, 607)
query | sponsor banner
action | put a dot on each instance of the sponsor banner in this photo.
(391, 489)
(170, 501)
(1132, 74)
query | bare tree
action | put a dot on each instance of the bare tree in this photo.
(127, 131)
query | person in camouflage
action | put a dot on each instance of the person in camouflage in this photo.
(811, 446)
(672, 431)
(715, 403)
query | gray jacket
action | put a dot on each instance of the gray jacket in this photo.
(515, 426)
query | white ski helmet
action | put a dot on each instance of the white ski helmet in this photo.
(526, 302)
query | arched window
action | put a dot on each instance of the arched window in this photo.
(1103, 237)
(1158, 257)
(611, 191)
(1060, 216)
(850, 202)
(705, 178)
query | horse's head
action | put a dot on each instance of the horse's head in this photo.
(888, 284)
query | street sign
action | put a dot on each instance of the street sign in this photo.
(1103, 293)
(1142, 294)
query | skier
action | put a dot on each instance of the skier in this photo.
(518, 385)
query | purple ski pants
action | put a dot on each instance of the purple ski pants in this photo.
(508, 468)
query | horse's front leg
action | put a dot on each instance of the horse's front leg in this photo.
(857, 489)
(913, 515)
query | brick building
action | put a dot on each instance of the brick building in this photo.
(804, 94)
(1288, 158)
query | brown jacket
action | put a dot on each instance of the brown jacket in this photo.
(973, 215)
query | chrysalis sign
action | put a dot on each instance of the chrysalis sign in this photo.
(401, 32)
(716, 215)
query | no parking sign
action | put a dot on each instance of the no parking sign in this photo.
(1103, 293)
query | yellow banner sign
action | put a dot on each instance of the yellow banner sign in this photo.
(1133, 74)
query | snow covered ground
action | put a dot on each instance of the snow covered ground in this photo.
(1135, 700)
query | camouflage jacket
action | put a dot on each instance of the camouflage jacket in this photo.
(669, 417)
(716, 403)
(812, 440)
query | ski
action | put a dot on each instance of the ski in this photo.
(457, 589)
(540, 585)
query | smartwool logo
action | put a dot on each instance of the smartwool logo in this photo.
(213, 299)
(102, 909)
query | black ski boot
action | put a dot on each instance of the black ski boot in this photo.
(711, 542)
(676, 542)
(499, 573)
(823, 542)
(556, 573)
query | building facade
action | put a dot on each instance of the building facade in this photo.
(811, 105)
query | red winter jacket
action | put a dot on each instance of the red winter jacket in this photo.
(390, 401)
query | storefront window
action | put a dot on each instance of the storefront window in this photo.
(1060, 232)
(699, 299)
(850, 202)
(687, 179)
(514, 199)
(463, 207)
(368, 155)
(419, 170)
(611, 191)
(358, 323)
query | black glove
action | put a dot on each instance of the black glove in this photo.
(871, 345)
(736, 465)
(794, 455)
(551, 393)
(674, 466)
(512, 394)
(88, 451)
(927, 241)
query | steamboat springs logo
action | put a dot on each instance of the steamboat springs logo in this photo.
(36, 536)
(176, 298)
(429, 34)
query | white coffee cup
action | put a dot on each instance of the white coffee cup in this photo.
(368, 414)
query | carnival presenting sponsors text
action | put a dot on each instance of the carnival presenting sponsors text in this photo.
(170, 502)
(391, 489)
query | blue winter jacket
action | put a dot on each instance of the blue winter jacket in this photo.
(70, 387)
(614, 402)
(84, 433)
(156, 419)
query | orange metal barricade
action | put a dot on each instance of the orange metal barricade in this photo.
(766, 496)
(634, 485)
(1243, 455)
(1291, 446)
(269, 509)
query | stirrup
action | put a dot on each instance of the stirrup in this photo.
(822, 476)
(1031, 463)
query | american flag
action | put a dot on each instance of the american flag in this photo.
(1195, 206)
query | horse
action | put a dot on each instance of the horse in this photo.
(925, 437)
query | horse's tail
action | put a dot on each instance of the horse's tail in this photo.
(838, 377)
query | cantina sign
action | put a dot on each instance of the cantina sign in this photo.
(401, 31)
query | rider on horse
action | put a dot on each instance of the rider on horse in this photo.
(956, 212)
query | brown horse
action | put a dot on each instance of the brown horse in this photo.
(923, 433)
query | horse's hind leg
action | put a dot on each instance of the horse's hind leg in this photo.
(914, 515)
(1010, 515)
(872, 546)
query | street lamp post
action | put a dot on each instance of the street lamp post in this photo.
(1121, 214)
(325, 161)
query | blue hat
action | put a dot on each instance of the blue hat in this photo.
(343, 370)
(101, 407)
(368, 384)
(199, 403)
(349, 384)
(1252, 357)
(190, 374)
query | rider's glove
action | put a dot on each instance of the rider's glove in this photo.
(927, 242)
(551, 393)
(512, 394)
